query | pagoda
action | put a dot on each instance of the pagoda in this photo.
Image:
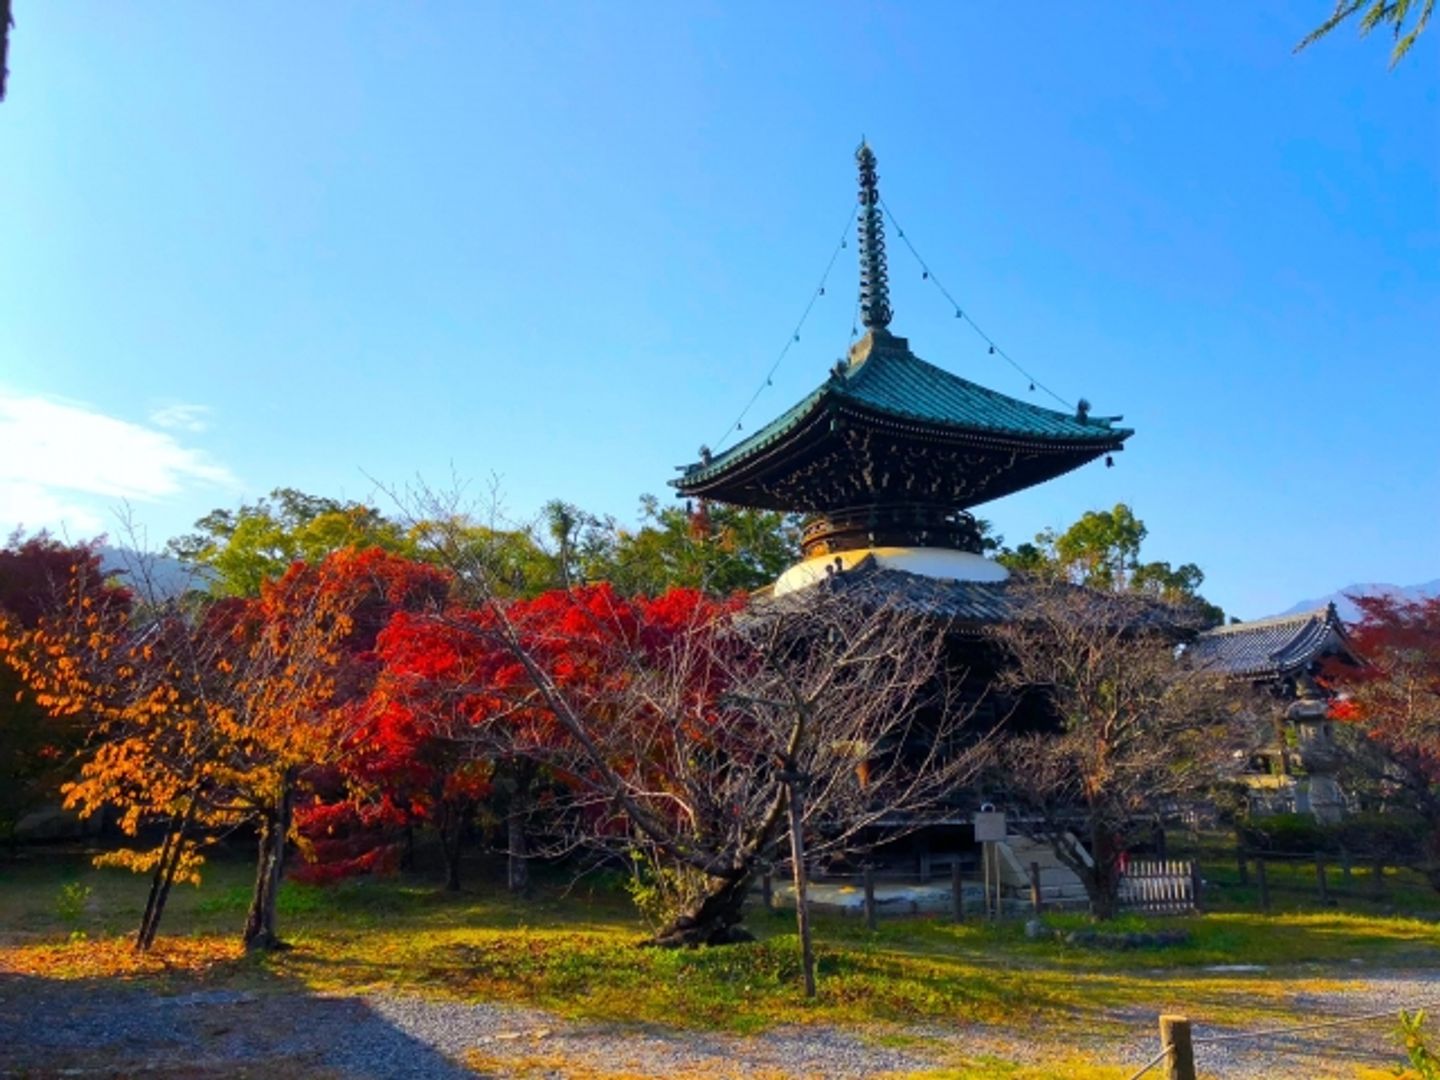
(889, 454)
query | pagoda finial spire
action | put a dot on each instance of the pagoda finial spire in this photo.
(874, 281)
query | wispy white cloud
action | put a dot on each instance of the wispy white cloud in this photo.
(181, 416)
(63, 464)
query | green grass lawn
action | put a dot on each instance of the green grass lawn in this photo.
(576, 949)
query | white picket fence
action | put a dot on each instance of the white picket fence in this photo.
(1160, 886)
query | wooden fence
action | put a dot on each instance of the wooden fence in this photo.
(1160, 886)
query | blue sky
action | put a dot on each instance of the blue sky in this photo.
(330, 245)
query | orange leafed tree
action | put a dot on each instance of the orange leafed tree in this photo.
(206, 718)
(36, 750)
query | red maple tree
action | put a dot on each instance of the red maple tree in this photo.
(1393, 699)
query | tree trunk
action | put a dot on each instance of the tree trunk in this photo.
(1102, 884)
(452, 835)
(802, 891)
(407, 853)
(151, 915)
(160, 893)
(517, 849)
(517, 864)
(171, 853)
(1279, 722)
(715, 920)
(260, 921)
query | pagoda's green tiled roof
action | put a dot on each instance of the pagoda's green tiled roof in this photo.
(903, 385)
(885, 378)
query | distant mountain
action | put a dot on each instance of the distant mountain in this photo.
(149, 574)
(1347, 609)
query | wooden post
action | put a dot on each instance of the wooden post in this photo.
(1035, 904)
(869, 898)
(1377, 877)
(767, 890)
(1197, 900)
(1262, 883)
(985, 864)
(999, 884)
(1240, 863)
(1345, 864)
(1180, 1051)
(1320, 881)
(802, 893)
(957, 892)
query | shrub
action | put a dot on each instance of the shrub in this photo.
(661, 893)
(1424, 1063)
(1392, 837)
(1288, 834)
(70, 904)
(1396, 838)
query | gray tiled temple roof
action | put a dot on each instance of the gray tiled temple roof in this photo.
(963, 602)
(969, 606)
(1270, 648)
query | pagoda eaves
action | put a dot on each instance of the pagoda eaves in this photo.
(890, 428)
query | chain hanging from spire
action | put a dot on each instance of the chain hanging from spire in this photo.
(874, 281)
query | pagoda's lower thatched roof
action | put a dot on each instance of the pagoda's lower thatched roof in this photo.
(890, 427)
(970, 607)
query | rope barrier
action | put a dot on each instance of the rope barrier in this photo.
(1156, 1060)
(815, 295)
(1241, 1036)
(1366, 1018)
(960, 312)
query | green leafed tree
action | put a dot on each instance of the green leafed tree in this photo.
(1102, 551)
(718, 548)
(239, 549)
(1406, 20)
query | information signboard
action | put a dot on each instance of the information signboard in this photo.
(989, 826)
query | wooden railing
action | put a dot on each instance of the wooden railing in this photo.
(1160, 886)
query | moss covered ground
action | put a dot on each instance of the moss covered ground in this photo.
(576, 949)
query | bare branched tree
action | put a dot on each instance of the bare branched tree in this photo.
(1139, 735)
(701, 735)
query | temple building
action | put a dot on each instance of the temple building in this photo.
(888, 456)
(1283, 657)
(885, 459)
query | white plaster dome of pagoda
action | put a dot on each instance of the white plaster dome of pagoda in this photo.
(943, 564)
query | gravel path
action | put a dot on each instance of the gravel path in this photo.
(1332, 1051)
(53, 1029)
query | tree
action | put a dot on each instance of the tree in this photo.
(719, 548)
(1136, 734)
(695, 731)
(1395, 14)
(37, 751)
(409, 762)
(441, 741)
(1102, 551)
(206, 717)
(242, 548)
(310, 668)
(1393, 700)
(7, 20)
